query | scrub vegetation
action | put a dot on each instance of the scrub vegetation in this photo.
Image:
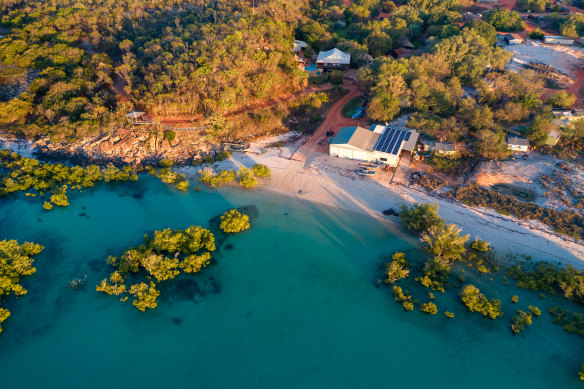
(164, 256)
(53, 181)
(450, 255)
(15, 262)
(234, 221)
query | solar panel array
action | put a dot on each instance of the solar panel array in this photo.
(391, 140)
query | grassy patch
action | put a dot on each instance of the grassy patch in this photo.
(350, 108)
(318, 80)
(518, 192)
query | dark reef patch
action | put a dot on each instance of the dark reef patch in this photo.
(177, 321)
(228, 247)
(188, 289)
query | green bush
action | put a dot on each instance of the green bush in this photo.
(520, 321)
(429, 308)
(234, 221)
(183, 185)
(260, 170)
(165, 163)
(246, 178)
(475, 301)
(15, 262)
(336, 77)
(396, 269)
(403, 298)
(213, 180)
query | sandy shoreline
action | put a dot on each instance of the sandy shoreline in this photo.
(329, 181)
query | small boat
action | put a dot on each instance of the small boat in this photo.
(366, 172)
(369, 164)
(243, 147)
(359, 112)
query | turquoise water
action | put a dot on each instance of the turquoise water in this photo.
(293, 304)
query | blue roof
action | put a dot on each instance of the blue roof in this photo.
(343, 136)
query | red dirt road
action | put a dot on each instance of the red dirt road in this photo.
(333, 122)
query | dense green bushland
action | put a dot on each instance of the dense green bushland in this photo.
(171, 57)
(162, 257)
(48, 180)
(15, 262)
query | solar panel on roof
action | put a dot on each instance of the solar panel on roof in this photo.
(391, 140)
(398, 143)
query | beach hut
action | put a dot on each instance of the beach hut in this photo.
(516, 143)
(333, 59)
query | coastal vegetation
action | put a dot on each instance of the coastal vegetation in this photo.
(247, 178)
(475, 301)
(403, 298)
(429, 308)
(16, 262)
(520, 321)
(396, 269)
(234, 221)
(550, 278)
(162, 257)
(52, 181)
(564, 222)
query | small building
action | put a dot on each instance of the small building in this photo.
(299, 46)
(406, 44)
(566, 116)
(333, 59)
(516, 143)
(379, 143)
(557, 40)
(552, 138)
(382, 15)
(580, 40)
(136, 117)
(513, 39)
(444, 148)
(468, 16)
(402, 53)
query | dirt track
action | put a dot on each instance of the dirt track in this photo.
(333, 122)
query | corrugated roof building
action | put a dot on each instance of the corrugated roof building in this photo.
(379, 143)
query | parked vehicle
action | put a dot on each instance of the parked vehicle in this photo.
(366, 172)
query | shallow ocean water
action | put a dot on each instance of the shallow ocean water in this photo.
(291, 303)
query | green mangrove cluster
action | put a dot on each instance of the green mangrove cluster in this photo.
(166, 175)
(162, 257)
(247, 178)
(15, 262)
(234, 221)
(52, 181)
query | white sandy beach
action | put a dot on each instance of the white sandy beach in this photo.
(331, 182)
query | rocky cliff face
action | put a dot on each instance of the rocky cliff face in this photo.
(132, 147)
